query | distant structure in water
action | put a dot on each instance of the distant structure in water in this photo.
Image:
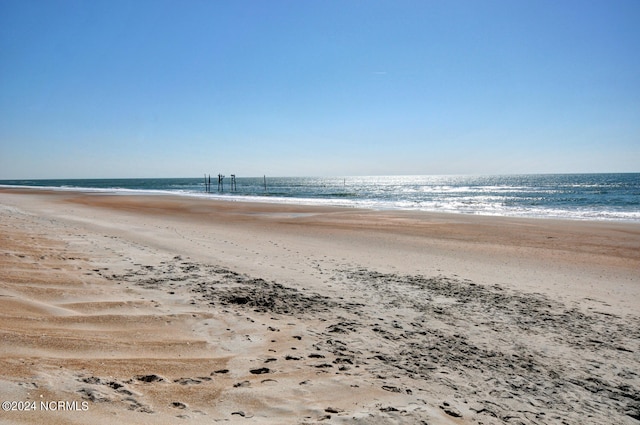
(234, 183)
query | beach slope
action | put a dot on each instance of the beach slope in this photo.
(159, 309)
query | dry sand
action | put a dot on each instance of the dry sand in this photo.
(158, 309)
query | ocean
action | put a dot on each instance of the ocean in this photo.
(567, 196)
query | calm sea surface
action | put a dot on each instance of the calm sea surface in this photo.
(572, 196)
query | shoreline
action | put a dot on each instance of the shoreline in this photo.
(138, 304)
(270, 205)
(438, 225)
(293, 201)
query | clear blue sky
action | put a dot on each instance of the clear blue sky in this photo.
(157, 88)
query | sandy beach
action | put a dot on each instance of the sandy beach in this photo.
(140, 309)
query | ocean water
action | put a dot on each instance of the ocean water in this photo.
(569, 196)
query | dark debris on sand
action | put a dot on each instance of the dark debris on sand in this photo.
(526, 358)
(511, 357)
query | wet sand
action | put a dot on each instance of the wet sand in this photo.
(160, 309)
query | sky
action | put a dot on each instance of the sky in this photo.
(168, 88)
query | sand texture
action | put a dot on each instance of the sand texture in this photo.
(167, 310)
